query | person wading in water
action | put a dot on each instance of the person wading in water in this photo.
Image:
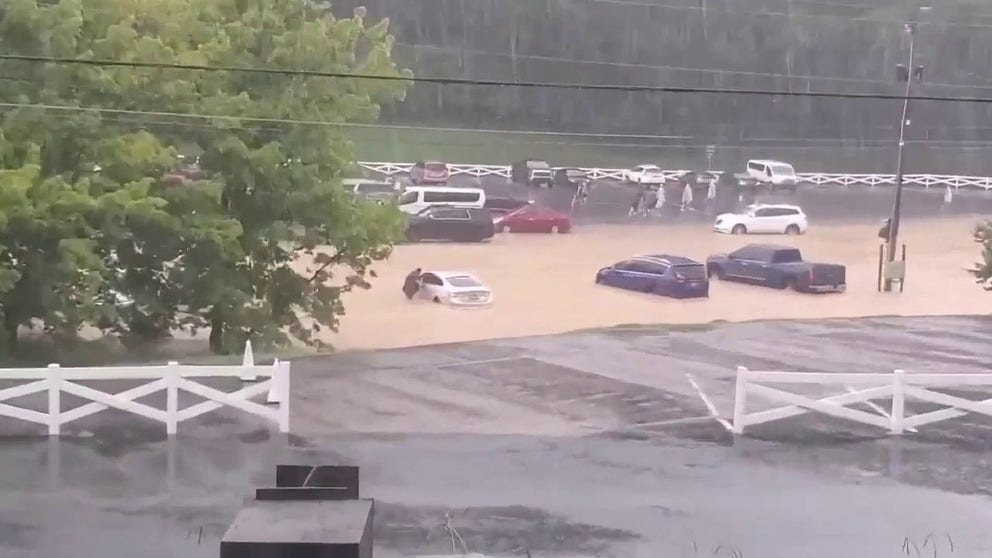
(412, 283)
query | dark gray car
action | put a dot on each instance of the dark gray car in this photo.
(451, 223)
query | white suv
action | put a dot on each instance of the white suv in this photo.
(763, 219)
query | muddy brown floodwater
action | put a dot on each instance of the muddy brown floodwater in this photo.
(544, 284)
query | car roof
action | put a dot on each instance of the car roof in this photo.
(444, 189)
(450, 274)
(667, 259)
(771, 247)
(768, 162)
(649, 166)
(776, 205)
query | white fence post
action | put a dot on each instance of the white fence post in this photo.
(54, 400)
(740, 400)
(248, 364)
(274, 395)
(282, 382)
(898, 402)
(172, 398)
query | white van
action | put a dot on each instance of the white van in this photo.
(774, 173)
(415, 199)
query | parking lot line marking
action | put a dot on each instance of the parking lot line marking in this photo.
(714, 414)
(877, 409)
(474, 362)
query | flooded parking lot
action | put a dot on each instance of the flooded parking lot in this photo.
(593, 443)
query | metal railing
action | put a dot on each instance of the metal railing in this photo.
(816, 178)
(858, 388)
(171, 378)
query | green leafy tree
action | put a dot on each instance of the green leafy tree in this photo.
(983, 269)
(265, 242)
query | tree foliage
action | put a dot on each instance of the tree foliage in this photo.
(262, 243)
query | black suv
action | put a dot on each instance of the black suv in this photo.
(451, 223)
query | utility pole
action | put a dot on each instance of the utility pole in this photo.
(910, 72)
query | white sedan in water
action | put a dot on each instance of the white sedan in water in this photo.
(455, 288)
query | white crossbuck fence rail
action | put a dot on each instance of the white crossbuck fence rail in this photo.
(858, 388)
(817, 178)
(172, 378)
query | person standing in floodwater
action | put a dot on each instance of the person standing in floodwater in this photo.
(635, 206)
(412, 283)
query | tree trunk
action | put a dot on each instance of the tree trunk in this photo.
(217, 333)
(9, 343)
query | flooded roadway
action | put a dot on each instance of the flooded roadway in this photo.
(592, 443)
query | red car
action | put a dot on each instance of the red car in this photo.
(430, 172)
(534, 219)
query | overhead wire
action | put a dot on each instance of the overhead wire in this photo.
(489, 83)
(643, 3)
(714, 71)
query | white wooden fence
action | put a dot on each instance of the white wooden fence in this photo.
(858, 388)
(172, 378)
(817, 178)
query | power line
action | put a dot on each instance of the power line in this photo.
(642, 3)
(491, 83)
(750, 143)
(264, 120)
(714, 71)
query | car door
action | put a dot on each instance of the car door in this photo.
(455, 224)
(525, 220)
(624, 276)
(431, 286)
(763, 221)
(738, 265)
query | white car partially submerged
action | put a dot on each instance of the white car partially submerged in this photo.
(763, 219)
(455, 288)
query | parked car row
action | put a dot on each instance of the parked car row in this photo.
(779, 267)
(471, 224)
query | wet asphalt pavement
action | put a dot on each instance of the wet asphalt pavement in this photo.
(610, 201)
(646, 472)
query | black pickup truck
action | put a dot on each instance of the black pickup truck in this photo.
(780, 267)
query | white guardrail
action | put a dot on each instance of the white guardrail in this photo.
(172, 378)
(817, 178)
(859, 388)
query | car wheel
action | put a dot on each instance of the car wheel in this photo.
(786, 283)
(412, 236)
(739, 229)
(792, 229)
(437, 300)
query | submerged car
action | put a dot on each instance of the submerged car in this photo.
(455, 288)
(779, 267)
(534, 219)
(462, 224)
(500, 206)
(672, 276)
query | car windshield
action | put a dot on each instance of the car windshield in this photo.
(783, 169)
(464, 281)
(693, 271)
(436, 167)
